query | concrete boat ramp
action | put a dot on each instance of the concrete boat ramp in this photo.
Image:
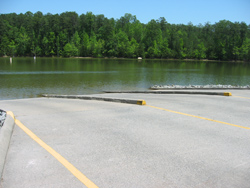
(182, 140)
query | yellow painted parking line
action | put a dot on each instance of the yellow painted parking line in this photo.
(61, 159)
(242, 97)
(11, 114)
(199, 117)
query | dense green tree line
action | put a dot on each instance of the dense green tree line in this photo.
(69, 34)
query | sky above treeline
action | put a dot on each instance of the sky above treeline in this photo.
(174, 11)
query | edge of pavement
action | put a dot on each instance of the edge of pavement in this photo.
(5, 137)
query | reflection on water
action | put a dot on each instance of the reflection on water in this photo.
(56, 72)
(26, 77)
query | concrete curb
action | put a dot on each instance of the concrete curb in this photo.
(5, 136)
(174, 92)
(199, 88)
(85, 97)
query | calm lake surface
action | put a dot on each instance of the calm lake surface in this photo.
(26, 77)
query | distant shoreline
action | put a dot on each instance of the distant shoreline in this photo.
(170, 59)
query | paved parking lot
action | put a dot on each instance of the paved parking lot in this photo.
(174, 141)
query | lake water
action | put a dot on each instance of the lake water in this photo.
(26, 77)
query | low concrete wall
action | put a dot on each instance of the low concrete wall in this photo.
(198, 87)
(85, 97)
(5, 136)
(175, 92)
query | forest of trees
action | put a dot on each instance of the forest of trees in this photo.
(88, 35)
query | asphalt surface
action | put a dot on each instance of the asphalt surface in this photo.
(126, 145)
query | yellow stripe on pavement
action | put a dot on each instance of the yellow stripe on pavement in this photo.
(11, 114)
(242, 97)
(61, 159)
(199, 117)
